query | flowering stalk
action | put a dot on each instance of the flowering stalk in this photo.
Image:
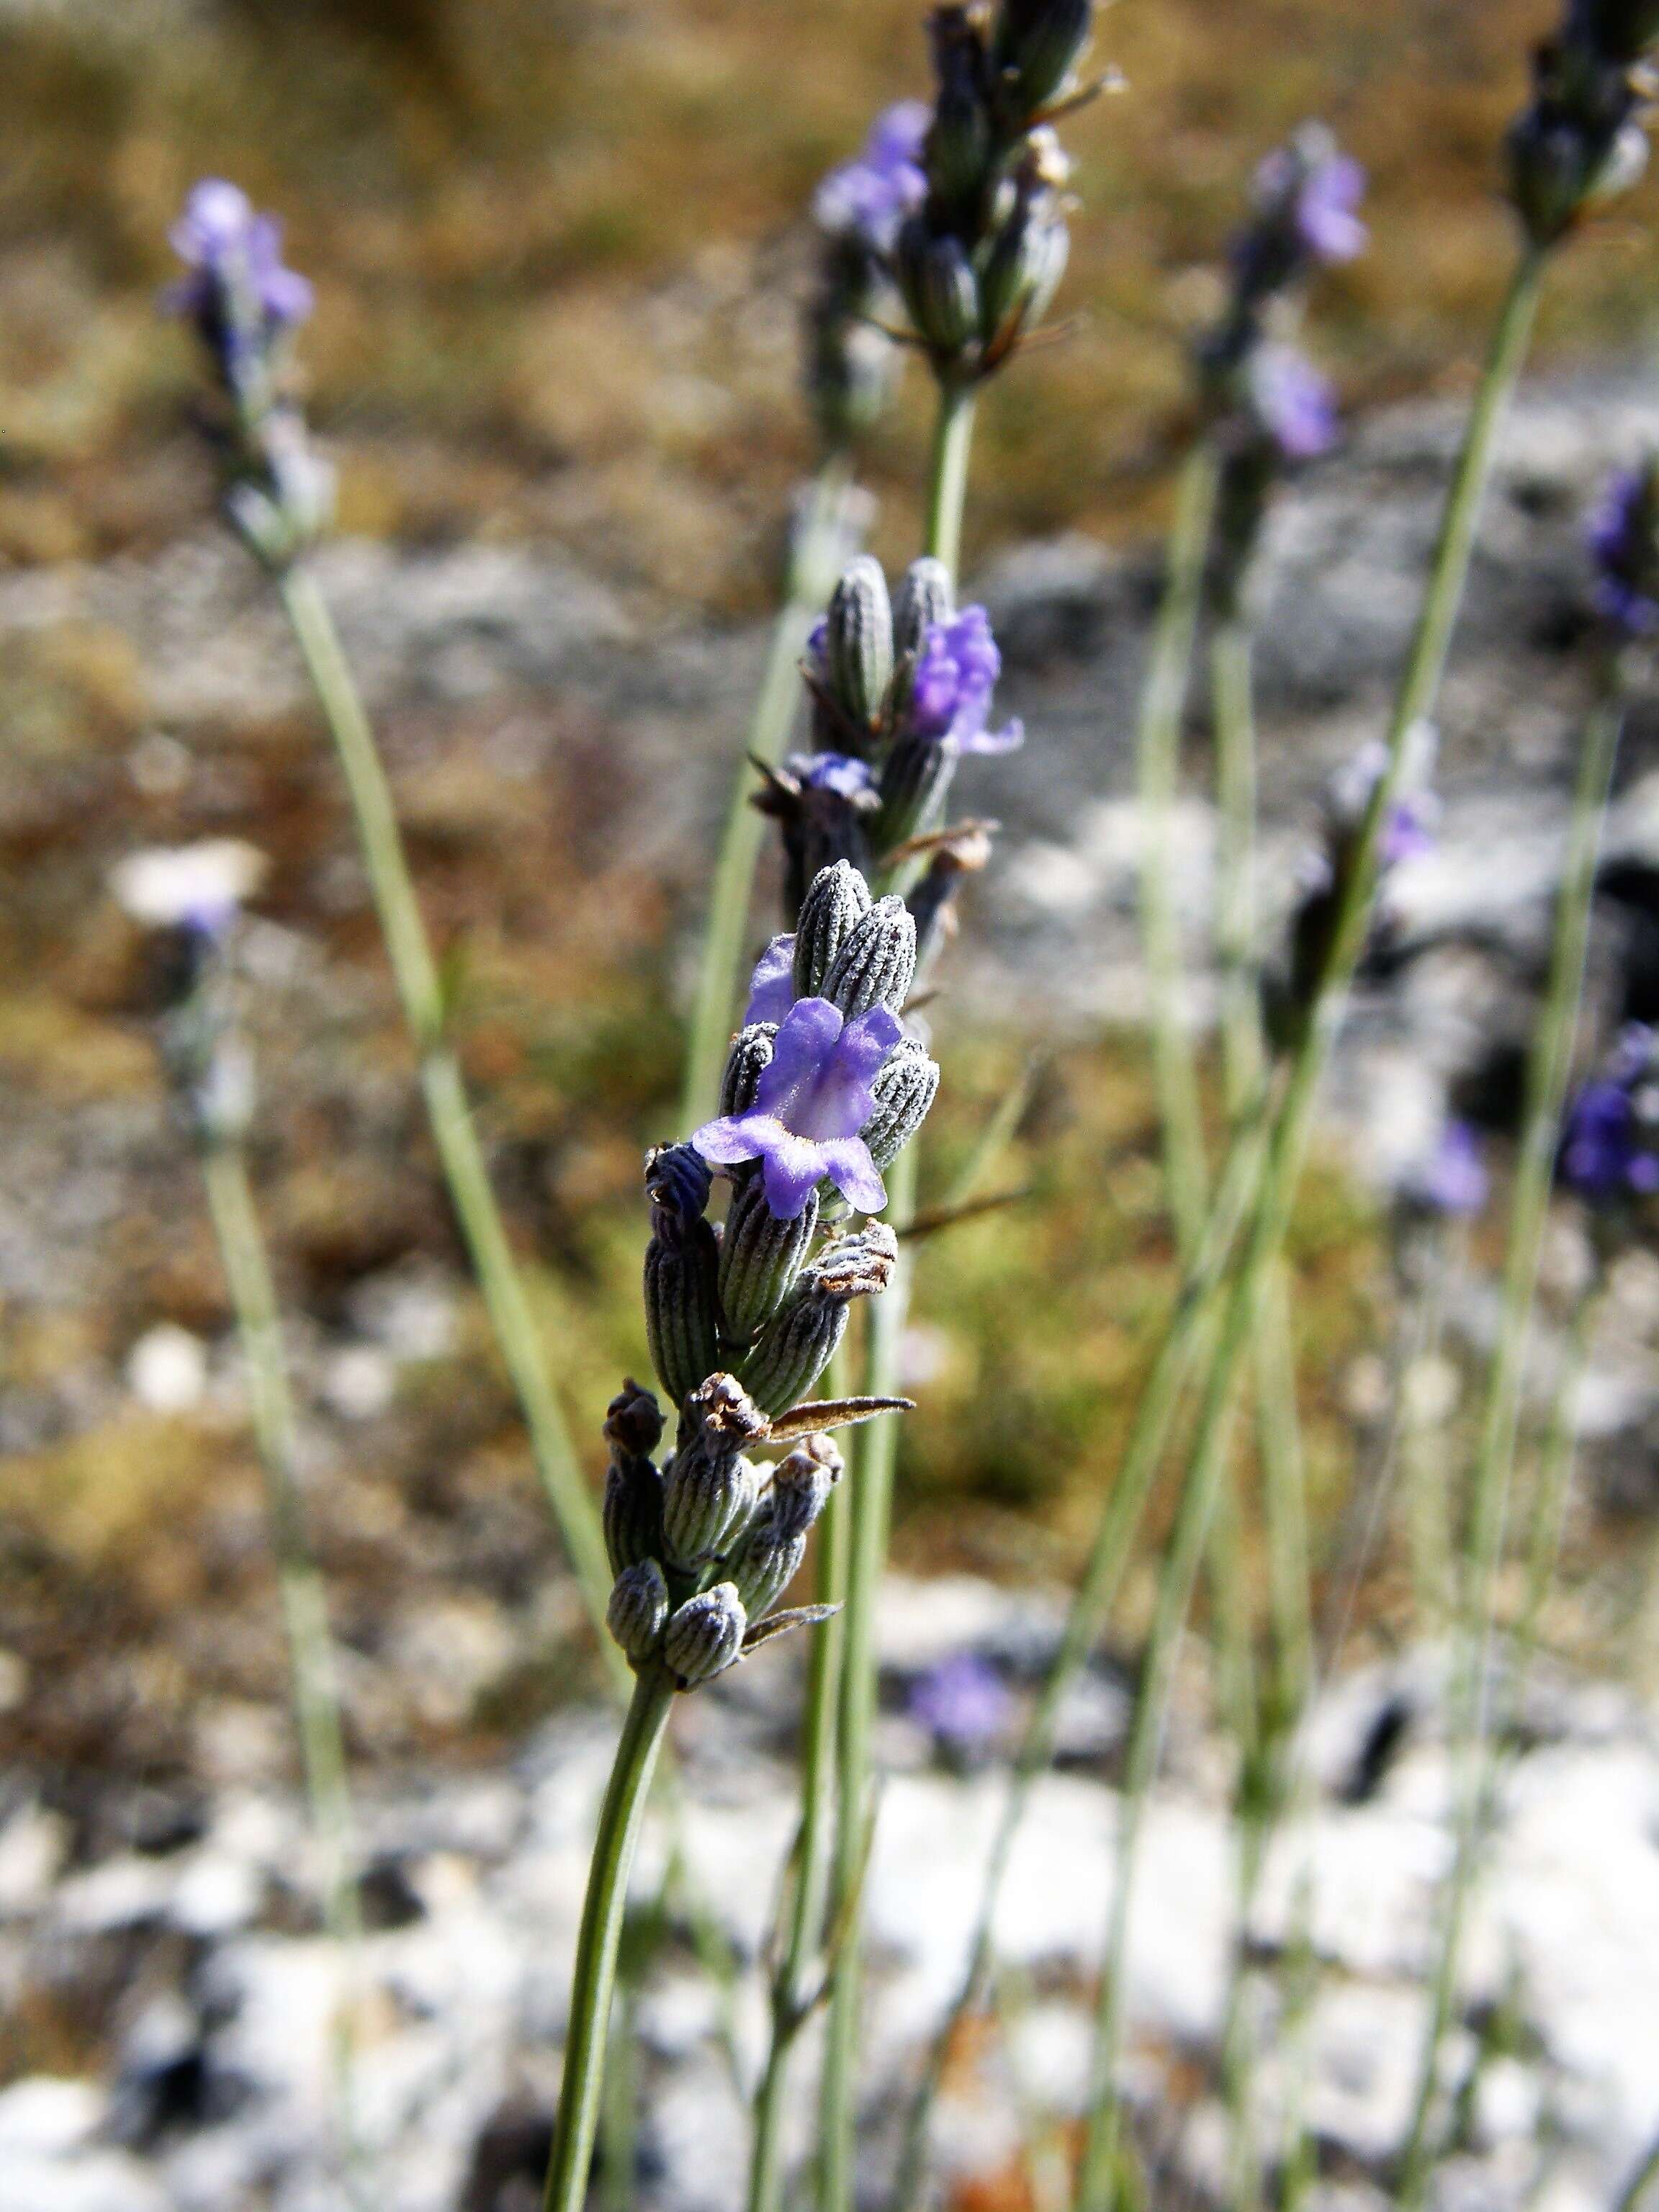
(1548, 1069)
(195, 896)
(245, 306)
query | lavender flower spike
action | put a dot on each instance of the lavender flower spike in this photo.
(950, 691)
(239, 295)
(813, 1098)
(1623, 544)
(870, 197)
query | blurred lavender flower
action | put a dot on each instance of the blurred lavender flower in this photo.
(964, 1702)
(869, 197)
(840, 773)
(955, 674)
(1609, 1146)
(239, 295)
(813, 1098)
(1293, 401)
(1623, 544)
(1304, 218)
(1453, 1180)
(200, 888)
(1580, 141)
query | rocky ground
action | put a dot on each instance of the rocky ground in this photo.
(559, 748)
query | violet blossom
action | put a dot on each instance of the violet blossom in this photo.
(1325, 219)
(812, 1100)
(955, 673)
(962, 1702)
(869, 197)
(1453, 1180)
(1608, 1135)
(1623, 544)
(1294, 404)
(239, 295)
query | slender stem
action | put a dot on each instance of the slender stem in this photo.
(792, 1999)
(1162, 703)
(822, 533)
(1556, 1462)
(454, 1130)
(305, 1605)
(595, 1974)
(1548, 1070)
(1233, 722)
(876, 1453)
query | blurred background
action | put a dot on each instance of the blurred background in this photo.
(560, 254)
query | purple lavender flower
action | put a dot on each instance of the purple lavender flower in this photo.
(813, 1098)
(1607, 1136)
(1623, 544)
(1325, 218)
(238, 294)
(869, 197)
(772, 986)
(950, 692)
(839, 773)
(1454, 1178)
(962, 1702)
(1292, 401)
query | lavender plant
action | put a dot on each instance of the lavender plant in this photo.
(245, 306)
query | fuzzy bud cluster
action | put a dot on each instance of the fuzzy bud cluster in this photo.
(703, 1546)
(901, 686)
(980, 260)
(1580, 140)
(245, 306)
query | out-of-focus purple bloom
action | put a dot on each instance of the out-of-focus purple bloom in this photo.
(1408, 832)
(869, 197)
(1623, 544)
(812, 1100)
(964, 1702)
(772, 986)
(1454, 1178)
(955, 674)
(1293, 401)
(238, 293)
(1609, 1136)
(840, 773)
(1325, 218)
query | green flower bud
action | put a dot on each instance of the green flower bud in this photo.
(937, 280)
(1035, 47)
(801, 1484)
(745, 1063)
(708, 1489)
(798, 1343)
(633, 1511)
(761, 1257)
(638, 1610)
(924, 599)
(837, 903)
(765, 1565)
(858, 640)
(915, 778)
(904, 1089)
(877, 963)
(704, 1636)
(681, 1309)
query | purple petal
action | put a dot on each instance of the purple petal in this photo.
(1005, 741)
(804, 1041)
(794, 1168)
(847, 1162)
(725, 1141)
(772, 986)
(864, 1043)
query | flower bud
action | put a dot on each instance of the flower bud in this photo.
(877, 963)
(1036, 46)
(797, 1344)
(761, 1257)
(837, 902)
(937, 280)
(924, 599)
(632, 1421)
(915, 779)
(858, 640)
(638, 1610)
(958, 154)
(904, 1089)
(708, 1489)
(633, 1511)
(801, 1484)
(682, 1269)
(1024, 269)
(745, 1063)
(705, 1636)
(766, 1564)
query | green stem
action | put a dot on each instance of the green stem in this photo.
(876, 1453)
(823, 532)
(793, 1998)
(1233, 722)
(1163, 704)
(1548, 1070)
(595, 1972)
(454, 1130)
(1281, 1171)
(305, 1605)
